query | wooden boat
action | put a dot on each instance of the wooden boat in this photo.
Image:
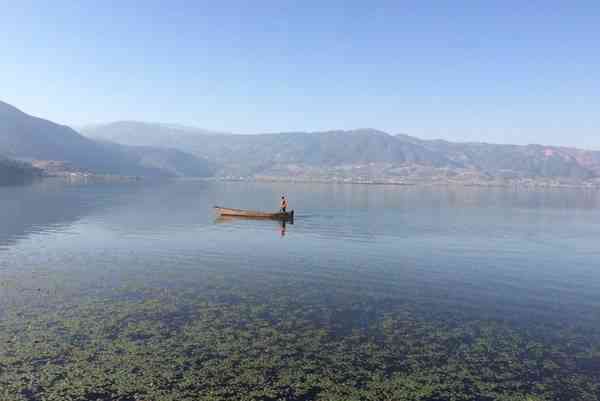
(223, 211)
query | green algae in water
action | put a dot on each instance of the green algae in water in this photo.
(214, 337)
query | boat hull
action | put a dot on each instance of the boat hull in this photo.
(227, 212)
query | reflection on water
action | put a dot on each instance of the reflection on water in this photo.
(135, 291)
(280, 224)
(41, 207)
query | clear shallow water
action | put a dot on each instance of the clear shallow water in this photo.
(354, 256)
(512, 248)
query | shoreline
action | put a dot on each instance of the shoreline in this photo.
(422, 183)
(289, 180)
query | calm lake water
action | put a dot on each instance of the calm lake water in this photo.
(112, 290)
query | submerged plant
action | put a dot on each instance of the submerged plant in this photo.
(215, 338)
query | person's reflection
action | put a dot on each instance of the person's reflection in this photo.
(283, 229)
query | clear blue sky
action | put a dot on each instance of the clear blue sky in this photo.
(504, 71)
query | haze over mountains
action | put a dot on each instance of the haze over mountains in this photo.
(160, 150)
(30, 138)
(365, 152)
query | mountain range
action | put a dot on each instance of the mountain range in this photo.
(162, 150)
(28, 138)
(363, 151)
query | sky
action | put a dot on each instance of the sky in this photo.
(494, 71)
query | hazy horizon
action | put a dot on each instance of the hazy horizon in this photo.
(506, 73)
(203, 130)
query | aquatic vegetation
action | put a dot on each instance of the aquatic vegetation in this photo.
(222, 338)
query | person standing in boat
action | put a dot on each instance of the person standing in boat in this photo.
(284, 204)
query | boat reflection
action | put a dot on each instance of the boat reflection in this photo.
(282, 224)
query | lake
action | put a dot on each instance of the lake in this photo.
(135, 291)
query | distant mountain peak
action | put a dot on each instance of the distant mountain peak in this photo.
(9, 108)
(354, 131)
(132, 126)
